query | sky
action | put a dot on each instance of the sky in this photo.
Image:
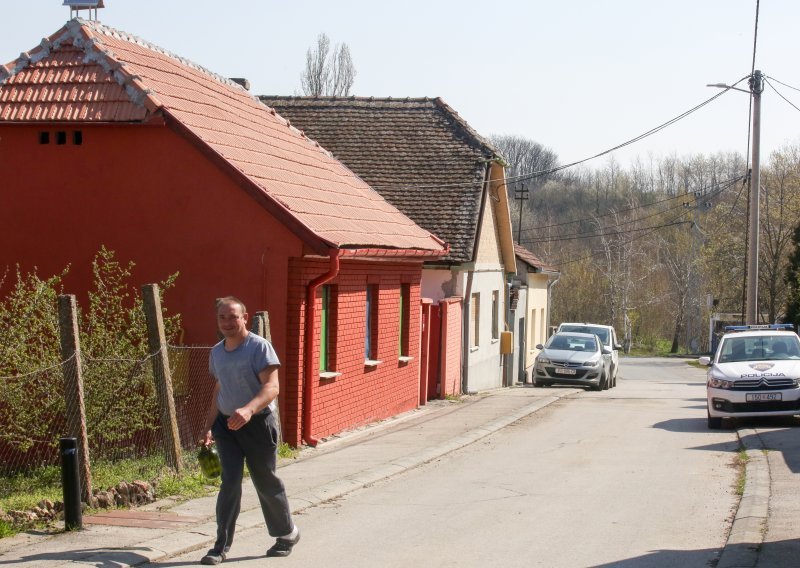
(577, 76)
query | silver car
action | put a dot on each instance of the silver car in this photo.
(572, 359)
(608, 336)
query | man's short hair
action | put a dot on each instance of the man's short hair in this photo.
(231, 300)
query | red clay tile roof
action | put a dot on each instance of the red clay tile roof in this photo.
(532, 260)
(418, 153)
(92, 73)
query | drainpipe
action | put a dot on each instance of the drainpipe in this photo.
(465, 325)
(550, 285)
(308, 344)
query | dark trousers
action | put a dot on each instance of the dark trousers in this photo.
(257, 444)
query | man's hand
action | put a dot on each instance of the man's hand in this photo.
(207, 439)
(239, 418)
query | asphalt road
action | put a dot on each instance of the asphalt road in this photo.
(629, 477)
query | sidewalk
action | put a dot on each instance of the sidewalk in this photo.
(765, 532)
(336, 467)
(359, 458)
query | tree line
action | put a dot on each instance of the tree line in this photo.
(657, 248)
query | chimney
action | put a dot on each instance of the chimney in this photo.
(241, 81)
(75, 6)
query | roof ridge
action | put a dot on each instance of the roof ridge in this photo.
(132, 38)
(465, 125)
(346, 98)
(434, 101)
(72, 31)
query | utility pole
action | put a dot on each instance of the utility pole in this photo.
(522, 196)
(756, 83)
(751, 305)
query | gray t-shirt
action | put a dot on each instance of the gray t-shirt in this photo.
(237, 371)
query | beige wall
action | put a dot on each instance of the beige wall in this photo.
(536, 315)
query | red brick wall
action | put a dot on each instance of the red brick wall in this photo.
(451, 346)
(360, 394)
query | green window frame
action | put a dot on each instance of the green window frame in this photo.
(371, 324)
(405, 316)
(324, 329)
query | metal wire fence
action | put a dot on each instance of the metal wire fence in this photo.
(122, 417)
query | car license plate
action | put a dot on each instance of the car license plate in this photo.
(763, 396)
(560, 371)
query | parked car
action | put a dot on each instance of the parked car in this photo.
(754, 372)
(572, 359)
(607, 335)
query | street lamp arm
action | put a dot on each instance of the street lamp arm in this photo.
(728, 87)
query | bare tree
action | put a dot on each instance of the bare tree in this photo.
(328, 73)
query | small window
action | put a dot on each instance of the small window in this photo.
(44, 138)
(61, 137)
(496, 314)
(371, 323)
(405, 317)
(475, 323)
(77, 137)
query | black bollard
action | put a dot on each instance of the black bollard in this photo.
(71, 483)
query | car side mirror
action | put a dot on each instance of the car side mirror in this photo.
(539, 346)
(705, 361)
(607, 350)
(618, 346)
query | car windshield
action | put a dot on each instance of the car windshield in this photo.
(572, 343)
(600, 332)
(759, 348)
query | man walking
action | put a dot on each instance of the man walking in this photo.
(241, 422)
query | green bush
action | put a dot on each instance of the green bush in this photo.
(119, 392)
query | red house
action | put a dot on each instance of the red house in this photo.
(106, 139)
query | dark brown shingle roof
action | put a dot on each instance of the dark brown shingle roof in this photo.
(533, 261)
(418, 153)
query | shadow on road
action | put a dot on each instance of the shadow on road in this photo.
(684, 425)
(126, 557)
(778, 434)
(668, 558)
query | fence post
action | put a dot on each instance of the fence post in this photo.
(158, 351)
(73, 387)
(261, 327)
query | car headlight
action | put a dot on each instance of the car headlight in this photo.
(542, 360)
(591, 363)
(720, 383)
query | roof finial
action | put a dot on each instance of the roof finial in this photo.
(75, 6)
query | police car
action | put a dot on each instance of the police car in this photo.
(754, 372)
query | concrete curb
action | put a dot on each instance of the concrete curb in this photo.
(202, 536)
(749, 526)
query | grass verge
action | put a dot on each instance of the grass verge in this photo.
(741, 464)
(24, 491)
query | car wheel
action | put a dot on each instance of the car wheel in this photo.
(714, 422)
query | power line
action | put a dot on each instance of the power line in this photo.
(653, 204)
(606, 230)
(535, 174)
(719, 188)
(771, 86)
(627, 242)
(784, 84)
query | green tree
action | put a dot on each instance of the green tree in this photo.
(793, 280)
